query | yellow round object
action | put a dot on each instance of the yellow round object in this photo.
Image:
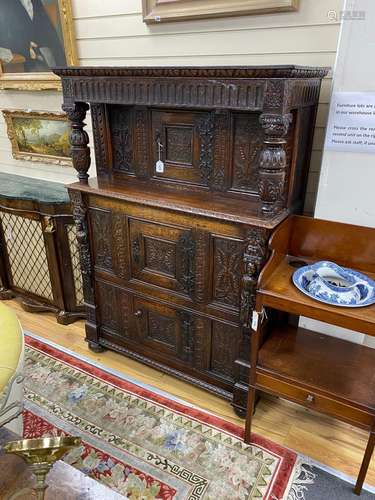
(11, 342)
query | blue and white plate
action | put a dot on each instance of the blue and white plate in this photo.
(329, 283)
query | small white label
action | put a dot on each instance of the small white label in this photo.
(9, 233)
(159, 167)
(254, 323)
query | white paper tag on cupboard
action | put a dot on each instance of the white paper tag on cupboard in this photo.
(159, 167)
(255, 320)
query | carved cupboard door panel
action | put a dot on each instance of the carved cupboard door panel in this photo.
(168, 256)
(165, 330)
(183, 140)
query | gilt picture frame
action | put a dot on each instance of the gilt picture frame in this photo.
(22, 26)
(40, 136)
(160, 11)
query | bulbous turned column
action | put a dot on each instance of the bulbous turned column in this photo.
(272, 161)
(79, 139)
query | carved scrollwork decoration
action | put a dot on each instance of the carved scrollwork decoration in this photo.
(99, 126)
(120, 242)
(272, 161)
(254, 257)
(136, 250)
(206, 131)
(80, 219)
(187, 249)
(141, 141)
(79, 139)
(221, 150)
(187, 336)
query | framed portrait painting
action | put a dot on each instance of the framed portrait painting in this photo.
(39, 136)
(35, 36)
(159, 11)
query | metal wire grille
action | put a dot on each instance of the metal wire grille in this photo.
(27, 254)
(74, 255)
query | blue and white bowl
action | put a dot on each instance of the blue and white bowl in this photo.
(327, 282)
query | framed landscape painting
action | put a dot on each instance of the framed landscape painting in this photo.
(35, 36)
(39, 136)
(159, 11)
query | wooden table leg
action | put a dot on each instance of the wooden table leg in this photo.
(365, 463)
(249, 414)
(251, 398)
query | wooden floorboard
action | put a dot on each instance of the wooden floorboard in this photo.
(322, 438)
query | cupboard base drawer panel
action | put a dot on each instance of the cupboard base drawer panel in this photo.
(314, 401)
(174, 336)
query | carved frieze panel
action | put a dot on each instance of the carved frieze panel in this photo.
(227, 271)
(225, 346)
(101, 226)
(247, 145)
(188, 92)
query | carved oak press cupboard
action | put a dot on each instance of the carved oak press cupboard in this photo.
(195, 168)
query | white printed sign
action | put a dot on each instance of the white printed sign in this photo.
(351, 124)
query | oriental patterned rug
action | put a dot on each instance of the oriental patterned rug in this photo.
(146, 446)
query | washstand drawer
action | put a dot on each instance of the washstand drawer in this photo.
(310, 399)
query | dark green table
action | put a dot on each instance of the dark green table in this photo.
(39, 256)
